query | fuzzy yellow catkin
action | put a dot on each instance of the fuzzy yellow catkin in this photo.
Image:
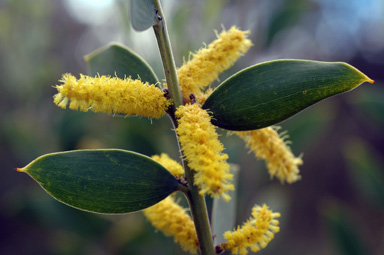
(175, 168)
(203, 151)
(171, 219)
(206, 65)
(267, 144)
(111, 95)
(255, 234)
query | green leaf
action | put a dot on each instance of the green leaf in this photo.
(366, 170)
(143, 14)
(344, 229)
(115, 59)
(270, 92)
(103, 181)
(370, 105)
(224, 213)
(287, 15)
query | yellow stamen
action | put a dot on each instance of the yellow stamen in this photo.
(267, 144)
(172, 220)
(111, 95)
(203, 150)
(206, 65)
(255, 234)
(175, 168)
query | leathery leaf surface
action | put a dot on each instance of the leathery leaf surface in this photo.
(103, 181)
(116, 59)
(270, 92)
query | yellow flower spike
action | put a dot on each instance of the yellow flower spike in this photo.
(209, 62)
(255, 234)
(175, 168)
(267, 144)
(203, 150)
(111, 95)
(172, 220)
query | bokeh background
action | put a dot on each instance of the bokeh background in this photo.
(337, 207)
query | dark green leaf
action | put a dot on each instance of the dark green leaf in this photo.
(143, 14)
(224, 213)
(366, 170)
(268, 93)
(103, 181)
(115, 59)
(344, 230)
(288, 14)
(370, 104)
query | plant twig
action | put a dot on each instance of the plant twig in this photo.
(196, 201)
(166, 56)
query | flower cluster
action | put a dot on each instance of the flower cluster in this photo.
(171, 219)
(111, 95)
(206, 65)
(255, 234)
(267, 144)
(203, 150)
(175, 168)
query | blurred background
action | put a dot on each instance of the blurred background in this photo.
(337, 207)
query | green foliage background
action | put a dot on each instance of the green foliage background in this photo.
(338, 206)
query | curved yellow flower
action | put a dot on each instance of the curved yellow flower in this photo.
(255, 234)
(203, 150)
(209, 62)
(111, 95)
(267, 144)
(175, 168)
(172, 220)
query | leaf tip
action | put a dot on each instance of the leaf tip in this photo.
(367, 79)
(19, 169)
(86, 58)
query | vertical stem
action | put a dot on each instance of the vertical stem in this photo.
(167, 57)
(199, 214)
(196, 201)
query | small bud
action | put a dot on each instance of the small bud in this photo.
(159, 18)
(192, 97)
(166, 93)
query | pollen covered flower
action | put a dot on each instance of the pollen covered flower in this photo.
(206, 65)
(203, 150)
(111, 95)
(171, 219)
(267, 144)
(175, 168)
(255, 234)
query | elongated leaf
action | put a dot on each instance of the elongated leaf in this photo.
(366, 170)
(370, 105)
(102, 181)
(344, 230)
(143, 14)
(268, 93)
(224, 213)
(115, 59)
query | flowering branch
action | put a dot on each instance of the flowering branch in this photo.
(248, 103)
(196, 201)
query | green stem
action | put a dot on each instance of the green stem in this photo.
(167, 57)
(199, 214)
(196, 201)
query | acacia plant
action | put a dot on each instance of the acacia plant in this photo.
(114, 181)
